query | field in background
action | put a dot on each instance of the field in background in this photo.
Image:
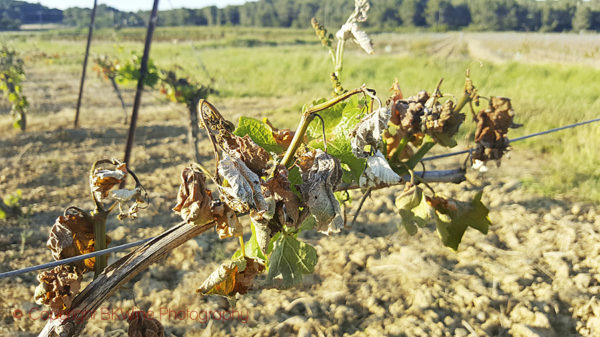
(536, 272)
(552, 78)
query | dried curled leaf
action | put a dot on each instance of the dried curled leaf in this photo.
(241, 190)
(283, 137)
(422, 115)
(396, 91)
(232, 277)
(287, 203)
(72, 235)
(492, 127)
(103, 180)
(227, 221)
(57, 288)
(245, 149)
(407, 113)
(368, 132)
(320, 180)
(194, 199)
(124, 198)
(142, 325)
(442, 123)
(350, 30)
(361, 7)
(378, 172)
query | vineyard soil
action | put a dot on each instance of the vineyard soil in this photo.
(537, 272)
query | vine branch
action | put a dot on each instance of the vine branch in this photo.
(116, 275)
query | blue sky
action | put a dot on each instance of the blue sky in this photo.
(134, 5)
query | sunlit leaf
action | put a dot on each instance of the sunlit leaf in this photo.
(340, 120)
(231, 277)
(455, 216)
(414, 210)
(252, 247)
(378, 172)
(259, 132)
(290, 259)
(193, 198)
(103, 180)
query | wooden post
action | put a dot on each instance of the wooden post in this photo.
(85, 60)
(140, 85)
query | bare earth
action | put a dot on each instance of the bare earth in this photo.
(537, 273)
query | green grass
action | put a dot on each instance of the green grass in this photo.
(286, 66)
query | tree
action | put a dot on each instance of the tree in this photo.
(556, 17)
(494, 14)
(438, 13)
(411, 12)
(231, 15)
(582, 19)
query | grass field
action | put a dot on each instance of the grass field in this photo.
(281, 70)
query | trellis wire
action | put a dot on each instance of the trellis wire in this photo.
(74, 258)
(141, 242)
(445, 155)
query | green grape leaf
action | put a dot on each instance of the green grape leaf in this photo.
(340, 120)
(251, 247)
(331, 116)
(295, 179)
(414, 210)
(290, 259)
(454, 217)
(259, 132)
(17, 124)
(309, 223)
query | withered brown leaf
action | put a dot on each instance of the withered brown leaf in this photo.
(57, 288)
(103, 180)
(492, 127)
(73, 235)
(142, 325)
(194, 199)
(242, 191)
(320, 180)
(245, 149)
(378, 172)
(396, 91)
(227, 221)
(283, 137)
(232, 277)
(368, 131)
(287, 203)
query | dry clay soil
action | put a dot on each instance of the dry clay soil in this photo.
(537, 272)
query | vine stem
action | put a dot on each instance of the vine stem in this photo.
(98, 219)
(307, 117)
(115, 276)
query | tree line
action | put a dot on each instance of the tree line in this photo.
(15, 13)
(439, 15)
